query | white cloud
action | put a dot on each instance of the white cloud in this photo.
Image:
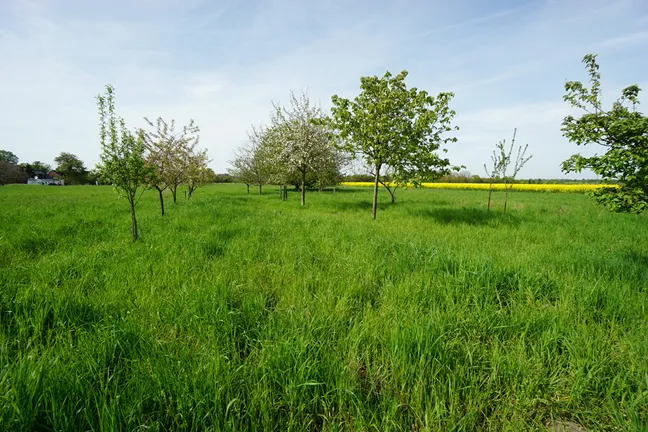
(507, 75)
(474, 21)
(636, 38)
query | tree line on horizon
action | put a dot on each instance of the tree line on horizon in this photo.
(68, 167)
(12, 172)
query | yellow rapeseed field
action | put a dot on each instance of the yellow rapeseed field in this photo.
(567, 188)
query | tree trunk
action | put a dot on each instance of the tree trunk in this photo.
(506, 199)
(393, 198)
(303, 188)
(191, 191)
(248, 187)
(374, 207)
(161, 202)
(131, 200)
(490, 192)
(260, 189)
(174, 190)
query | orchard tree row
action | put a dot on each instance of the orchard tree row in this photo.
(396, 132)
(162, 157)
(295, 148)
(399, 135)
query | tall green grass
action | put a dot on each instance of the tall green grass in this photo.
(243, 312)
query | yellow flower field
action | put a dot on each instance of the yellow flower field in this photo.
(565, 188)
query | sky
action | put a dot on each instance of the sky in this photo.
(222, 63)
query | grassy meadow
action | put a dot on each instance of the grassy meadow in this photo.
(243, 312)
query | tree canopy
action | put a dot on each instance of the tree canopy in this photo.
(622, 131)
(32, 168)
(251, 164)
(71, 168)
(390, 125)
(122, 153)
(299, 140)
(9, 157)
(172, 158)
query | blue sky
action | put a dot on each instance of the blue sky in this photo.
(223, 62)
